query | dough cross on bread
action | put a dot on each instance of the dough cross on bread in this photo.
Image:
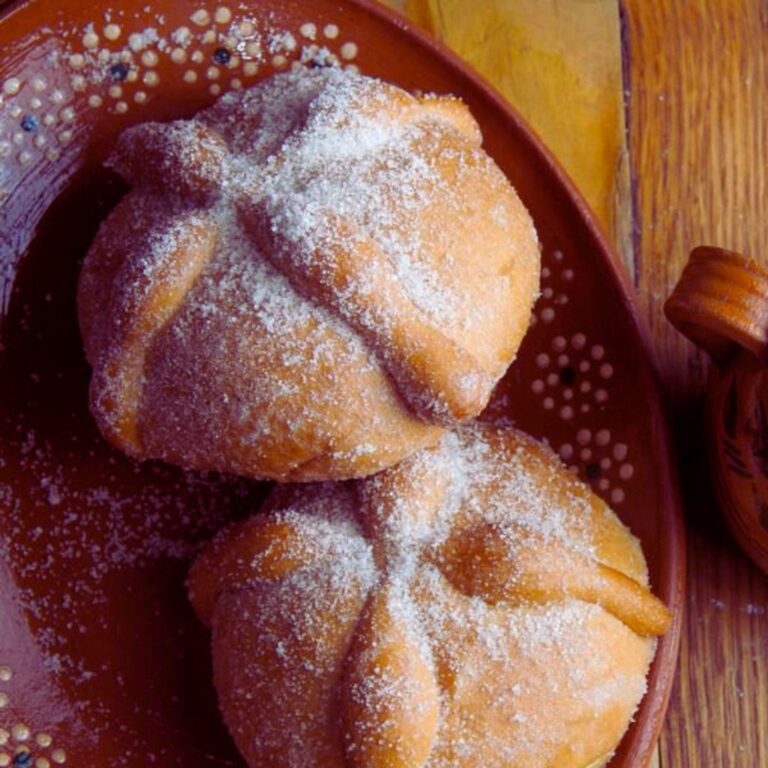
(308, 280)
(348, 274)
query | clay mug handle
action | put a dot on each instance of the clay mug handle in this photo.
(721, 304)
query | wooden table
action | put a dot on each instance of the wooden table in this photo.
(659, 110)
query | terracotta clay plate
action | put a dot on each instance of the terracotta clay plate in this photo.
(101, 659)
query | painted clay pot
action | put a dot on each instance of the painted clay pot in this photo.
(721, 305)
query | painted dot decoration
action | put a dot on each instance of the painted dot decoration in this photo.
(571, 378)
(308, 30)
(604, 462)
(150, 58)
(200, 17)
(112, 31)
(222, 56)
(223, 15)
(568, 369)
(29, 123)
(20, 732)
(348, 51)
(567, 377)
(90, 40)
(21, 745)
(106, 61)
(626, 471)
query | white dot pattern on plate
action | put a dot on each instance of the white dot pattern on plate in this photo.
(605, 462)
(571, 378)
(20, 738)
(553, 298)
(112, 67)
(570, 375)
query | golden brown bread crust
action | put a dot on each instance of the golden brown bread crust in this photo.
(475, 606)
(307, 281)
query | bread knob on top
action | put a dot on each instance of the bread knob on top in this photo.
(309, 280)
(474, 606)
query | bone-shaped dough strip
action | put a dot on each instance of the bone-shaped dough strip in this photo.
(262, 547)
(351, 277)
(409, 110)
(391, 706)
(183, 157)
(513, 564)
(152, 281)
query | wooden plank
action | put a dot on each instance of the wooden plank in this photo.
(699, 146)
(559, 63)
(698, 74)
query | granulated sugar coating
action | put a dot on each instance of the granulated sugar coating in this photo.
(475, 606)
(308, 281)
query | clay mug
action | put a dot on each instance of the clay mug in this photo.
(721, 304)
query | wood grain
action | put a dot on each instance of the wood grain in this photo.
(698, 77)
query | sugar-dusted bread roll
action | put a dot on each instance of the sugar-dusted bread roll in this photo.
(308, 280)
(474, 607)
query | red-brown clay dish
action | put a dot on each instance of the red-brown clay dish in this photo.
(101, 659)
